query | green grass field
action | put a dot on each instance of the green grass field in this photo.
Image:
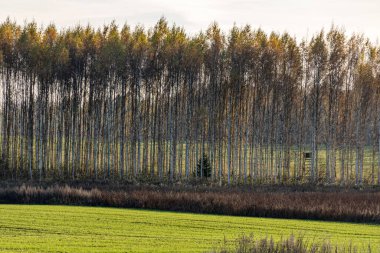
(25, 228)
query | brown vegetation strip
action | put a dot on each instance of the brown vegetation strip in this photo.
(354, 206)
(250, 244)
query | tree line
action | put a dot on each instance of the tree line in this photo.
(119, 103)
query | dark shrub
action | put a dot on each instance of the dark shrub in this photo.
(204, 167)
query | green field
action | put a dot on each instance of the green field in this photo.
(25, 228)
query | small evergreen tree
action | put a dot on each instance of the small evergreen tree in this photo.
(204, 167)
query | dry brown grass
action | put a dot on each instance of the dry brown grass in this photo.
(249, 244)
(342, 205)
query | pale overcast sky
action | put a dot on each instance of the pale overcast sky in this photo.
(299, 17)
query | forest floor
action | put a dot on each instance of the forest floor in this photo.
(45, 228)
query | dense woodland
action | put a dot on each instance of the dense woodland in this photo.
(128, 104)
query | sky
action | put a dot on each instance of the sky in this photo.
(301, 18)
